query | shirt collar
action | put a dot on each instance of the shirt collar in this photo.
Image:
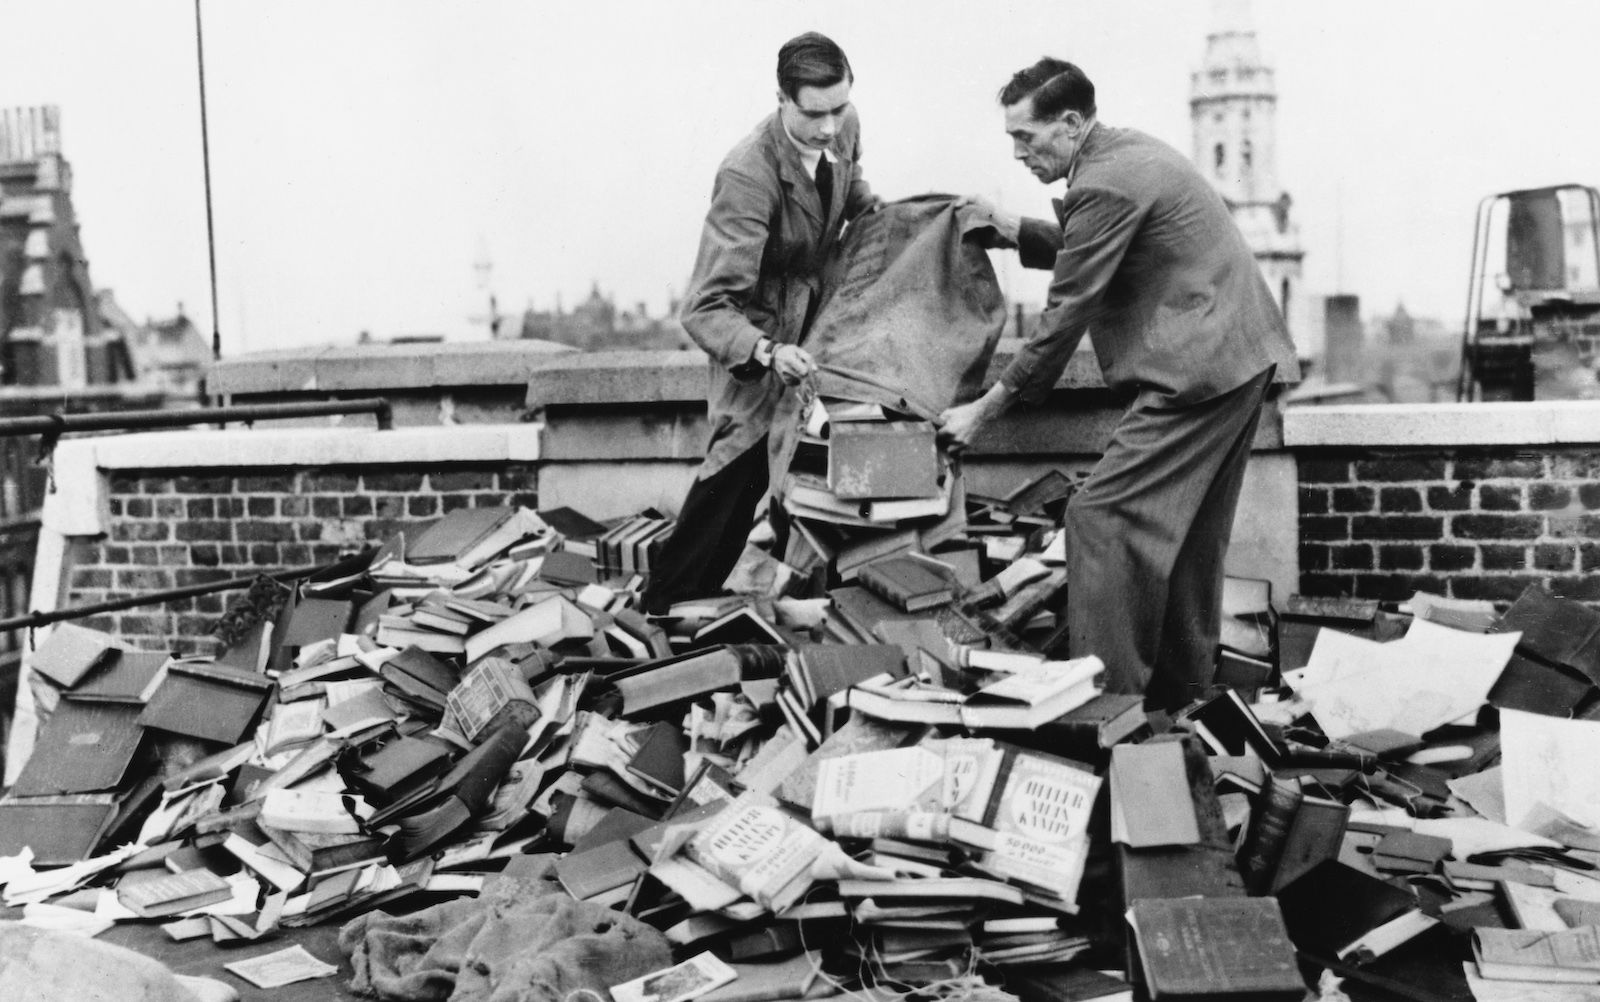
(809, 155)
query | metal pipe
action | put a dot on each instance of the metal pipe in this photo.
(59, 423)
(33, 620)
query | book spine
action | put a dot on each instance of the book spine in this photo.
(1269, 831)
(884, 587)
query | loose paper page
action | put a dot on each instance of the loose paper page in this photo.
(1432, 676)
(1549, 760)
(285, 967)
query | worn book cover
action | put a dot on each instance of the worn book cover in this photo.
(1150, 803)
(123, 676)
(82, 748)
(883, 459)
(907, 583)
(1215, 948)
(70, 652)
(202, 701)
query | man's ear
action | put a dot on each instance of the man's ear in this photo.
(1073, 120)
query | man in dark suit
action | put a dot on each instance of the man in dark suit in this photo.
(779, 202)
(1149, 262)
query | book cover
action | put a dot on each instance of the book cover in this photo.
(888, 459)
(1040, 813)
(212, 703)
(1215, 948)
(1571, 956)
(124, 676)
(456, 533)
(171, 893)
(1333, 909)
(70, 652)
(753, 845)
(82, 748)
(1150, 803)
(661, 683)
(907, 583)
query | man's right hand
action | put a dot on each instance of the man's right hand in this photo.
(792, 363)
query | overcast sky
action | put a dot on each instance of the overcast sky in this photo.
(366, 154)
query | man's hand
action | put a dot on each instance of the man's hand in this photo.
(959, 426)
(792, 363)
(1008, 226)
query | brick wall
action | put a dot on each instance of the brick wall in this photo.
(171, 529)
(1479, 523)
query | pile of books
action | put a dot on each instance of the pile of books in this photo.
(886, 783)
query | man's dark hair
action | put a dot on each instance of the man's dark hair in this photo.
(811, 60)
(1055, 86)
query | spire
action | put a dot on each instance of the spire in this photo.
(1231, 17)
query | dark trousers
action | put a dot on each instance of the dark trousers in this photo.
(1146, 538)
(713, 525)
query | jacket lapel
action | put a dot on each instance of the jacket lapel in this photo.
(792, 173)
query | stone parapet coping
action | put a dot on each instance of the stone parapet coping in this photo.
(1556, 422)
(77, 505)
(381, 366)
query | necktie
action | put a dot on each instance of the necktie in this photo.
(825, 184)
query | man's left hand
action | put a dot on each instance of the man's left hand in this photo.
(959, 426)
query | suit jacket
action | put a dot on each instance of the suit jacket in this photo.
(758, 272)
(1149, 261)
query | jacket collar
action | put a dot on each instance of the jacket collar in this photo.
(792, 172)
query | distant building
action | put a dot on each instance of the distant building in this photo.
(1233, 107)
(169, 354)
(50, 330)
(597, 324)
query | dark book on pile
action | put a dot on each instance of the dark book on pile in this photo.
(1087, 731)
(82, 748)
(60, 830)
(619, 823)
(1229, 727)
(316, 619)
(572, 524)
(1534, 686)
(1334, 910)
(461, 795)
(387, 773)
(1060, 983)
(1215, 948)
(1558, 631)
(594, 872)
(564, 567)
(883, 459)
(855, 612)
(315, 852)
(207, 701)
(1303, 616)
(819, 671)
(1206, 868)
(659, 757)
(909, 584)
(1046, 494)
(419, 677)
(657, 684)
(458, 533)
(70, 652)
(123, 676)
(1289, 833)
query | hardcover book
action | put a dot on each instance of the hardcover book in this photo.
(907, 583)
(1215, 948)
(883, 459)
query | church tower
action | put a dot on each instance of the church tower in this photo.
(1233, 107)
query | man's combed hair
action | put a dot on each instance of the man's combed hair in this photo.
(811, 60)
(1055, 86)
